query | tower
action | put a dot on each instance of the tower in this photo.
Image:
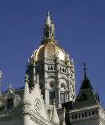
(52, 68)
(87, 109)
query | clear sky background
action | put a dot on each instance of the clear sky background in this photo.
(80, 29)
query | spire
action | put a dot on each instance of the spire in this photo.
(49, 28)
(86, 93)
(85, 74)
(48, 19)
(86, 82)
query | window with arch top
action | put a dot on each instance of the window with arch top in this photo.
(51, 92)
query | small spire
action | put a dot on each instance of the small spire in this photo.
(49, 28)
(86, 82)
(85, 69)
(48, 19)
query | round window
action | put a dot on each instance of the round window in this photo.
(63, 85)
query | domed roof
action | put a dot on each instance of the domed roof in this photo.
(50, 51)
(49, 48)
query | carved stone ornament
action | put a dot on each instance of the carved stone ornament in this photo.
(37, 105)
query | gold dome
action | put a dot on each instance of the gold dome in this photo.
(49, 50)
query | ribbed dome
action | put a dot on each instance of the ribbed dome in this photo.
(49, 50)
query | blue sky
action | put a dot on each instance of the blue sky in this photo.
(80, 29)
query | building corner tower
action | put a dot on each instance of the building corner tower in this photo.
(52, 68)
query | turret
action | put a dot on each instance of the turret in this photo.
(54, 67)
(87, 95)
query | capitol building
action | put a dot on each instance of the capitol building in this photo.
(49, 96)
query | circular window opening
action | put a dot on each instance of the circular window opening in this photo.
(63, 85)
(52, 84)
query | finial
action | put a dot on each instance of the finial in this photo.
(49, 28)
(48, 19)
(48, 13)
(85, 69)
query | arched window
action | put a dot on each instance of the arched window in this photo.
(52, 83)
(51, 67)
(85, 114)
(93, 112)
(63, 85)
(52, 92)
(51, 96)
(79, 115)
(82, 115)
(62, 97)
(63, 93)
